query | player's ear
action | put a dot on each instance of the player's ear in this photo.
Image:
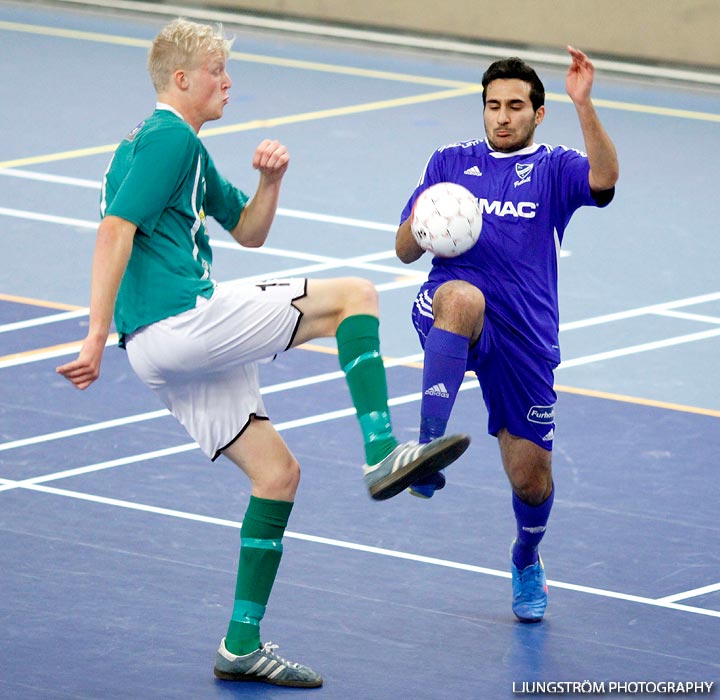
(181, 80)
(539, 114)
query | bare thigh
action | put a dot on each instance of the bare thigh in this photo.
(329, 302)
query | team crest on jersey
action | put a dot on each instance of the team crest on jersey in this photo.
(135, 131)
(523, 170)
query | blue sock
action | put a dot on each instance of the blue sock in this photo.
(531, 522)
(445, 360)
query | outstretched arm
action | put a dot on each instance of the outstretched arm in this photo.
(112, 252)
(604, 169)
(271, 159)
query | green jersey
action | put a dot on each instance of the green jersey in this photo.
(162, 179)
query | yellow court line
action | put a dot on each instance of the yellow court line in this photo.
(637, 400)
(39, 302)
(38, 351)
(240, 56)
(310, 347)
(349, 70)
(460, 89)
(346, 111)
(621, 398)
(343, 111)
(264, 123)
(112, 339)
(640, 108)
(62, 155)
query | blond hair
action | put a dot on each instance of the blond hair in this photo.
(182, 44)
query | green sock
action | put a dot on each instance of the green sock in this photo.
(359, 354)
(260, 552)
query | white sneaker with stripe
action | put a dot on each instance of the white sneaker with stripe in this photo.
(264, 666)
(411, 461)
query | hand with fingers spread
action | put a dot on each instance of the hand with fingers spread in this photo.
(580, 75)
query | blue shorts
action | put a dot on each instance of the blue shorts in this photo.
(517, 385)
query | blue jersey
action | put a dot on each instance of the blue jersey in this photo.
(527, 198)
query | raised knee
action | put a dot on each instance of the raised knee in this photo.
(460, 307)
(363, 291)
(458, 292)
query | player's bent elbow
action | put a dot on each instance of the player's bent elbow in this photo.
(407, 254)
(604, 181)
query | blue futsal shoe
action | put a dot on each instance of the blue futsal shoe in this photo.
(530, 591)
(425, 488)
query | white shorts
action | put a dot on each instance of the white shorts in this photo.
(202, 362)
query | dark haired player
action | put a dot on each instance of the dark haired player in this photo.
(494, 309)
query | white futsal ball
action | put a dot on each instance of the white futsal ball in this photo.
(446, 220)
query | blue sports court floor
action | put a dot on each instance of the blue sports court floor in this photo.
(119, 539)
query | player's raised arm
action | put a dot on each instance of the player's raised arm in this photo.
(604, 168)
(112, 252)
(271, 160)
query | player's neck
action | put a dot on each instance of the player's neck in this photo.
(181, 109)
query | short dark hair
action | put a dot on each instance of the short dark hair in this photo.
(510, 68)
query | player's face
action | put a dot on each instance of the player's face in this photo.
(510, 119)
(210, 88)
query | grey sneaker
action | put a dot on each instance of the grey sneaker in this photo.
(411, 461)
(264, 666)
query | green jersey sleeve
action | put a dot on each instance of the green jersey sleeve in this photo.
(160, 164)
(224, 202)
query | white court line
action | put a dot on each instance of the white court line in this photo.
(281, 211)
(565, 364)
(35, 484)
(380, 551)
(640, 311)
(702, 318)
(642, 347)
(316, 379)
(186, 447)
(91, 428)
(292, 213)
(339, 543)
(665, 308)
(322, 262)
(48, 218)
(329, 376)
(46, 177)
(151, 415)
(576, 362)
(63, 350)
(42, 320)
(690, 594)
